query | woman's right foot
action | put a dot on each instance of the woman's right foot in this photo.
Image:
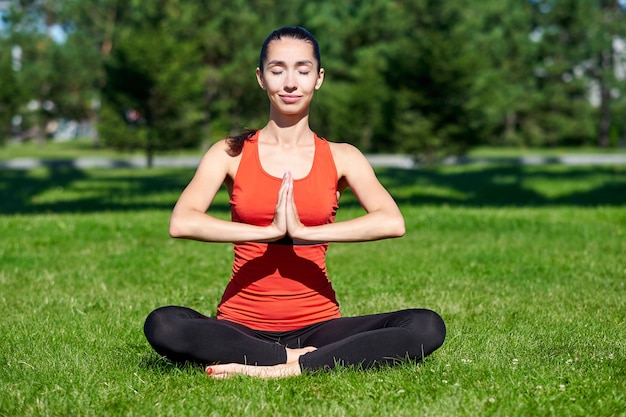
(294, 354)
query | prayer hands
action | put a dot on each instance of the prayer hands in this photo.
(286, 218)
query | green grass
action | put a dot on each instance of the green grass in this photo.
(55, 150)
(74, 149)
(513, 152)
(527, 266)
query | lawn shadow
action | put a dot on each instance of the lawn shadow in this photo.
(64, 188)
(509, 186)
(162, 365)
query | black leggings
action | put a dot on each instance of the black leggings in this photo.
(182, 334)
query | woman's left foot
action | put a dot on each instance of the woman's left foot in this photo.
(227, 370)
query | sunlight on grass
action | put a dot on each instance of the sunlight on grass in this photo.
(433, 191)
(78, 148)
(526, 265)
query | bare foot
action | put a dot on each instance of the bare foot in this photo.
(294, 354)
(283, 370)
(227, 370)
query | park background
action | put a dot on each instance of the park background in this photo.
(427, 78)
(515, 227)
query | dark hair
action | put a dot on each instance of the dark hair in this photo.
(291, 32)
(235, 142)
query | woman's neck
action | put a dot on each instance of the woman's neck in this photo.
(287, 133)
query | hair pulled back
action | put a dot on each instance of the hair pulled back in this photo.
(290, 32)
(235, 142)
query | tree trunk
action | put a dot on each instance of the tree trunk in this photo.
(604, 127)
(606, 67)
(149, 157)
(510, 126)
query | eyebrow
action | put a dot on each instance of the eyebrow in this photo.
(282, 63)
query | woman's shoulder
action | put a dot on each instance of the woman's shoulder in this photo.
(347, 157)
(220, 157)
(345, 151)
(342, 147)
(218, 149)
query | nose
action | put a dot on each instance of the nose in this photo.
(290, 81)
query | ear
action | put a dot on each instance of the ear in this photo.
(320, 79)
(259, 78)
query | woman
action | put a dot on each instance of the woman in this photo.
(279, 315)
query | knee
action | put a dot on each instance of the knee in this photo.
(429, 325)
(156, 323)
(437, 328)
(156, 316)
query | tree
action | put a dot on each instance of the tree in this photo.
(353, 38)
(606, 62)
(91, 27)
(502, 39)
(577, 57)
(425, 77)
(437, 107)
(54, 76)
(34, 68)
(154, 94)
(10, 93)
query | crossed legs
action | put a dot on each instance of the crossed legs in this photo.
(182, 334)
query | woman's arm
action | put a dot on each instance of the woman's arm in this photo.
(382, 218)
(189, 218)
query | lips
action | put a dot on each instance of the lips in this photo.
(289, 99)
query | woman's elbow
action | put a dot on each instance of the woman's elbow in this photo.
(400, 229)
(396, 227)
(176, 227)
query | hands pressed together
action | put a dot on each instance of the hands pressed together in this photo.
(286, 220)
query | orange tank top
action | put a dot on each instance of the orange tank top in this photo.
(282, 285)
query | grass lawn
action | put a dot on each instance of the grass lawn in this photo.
(85, 148)
(527, 266)
(74, 149)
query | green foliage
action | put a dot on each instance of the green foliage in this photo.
(424, 77)
(10, 94)
(55, 80)
(506, 79)
(161, 79)
(435, 111)
(578, 49)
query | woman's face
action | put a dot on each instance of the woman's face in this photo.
(290, 76)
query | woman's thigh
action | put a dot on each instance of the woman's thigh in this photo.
(182, 334)
(415, 320)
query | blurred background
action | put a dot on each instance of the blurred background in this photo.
(426, 78)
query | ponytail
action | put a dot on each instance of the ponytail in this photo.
(235, 143)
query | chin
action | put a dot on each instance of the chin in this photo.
(291, 110)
